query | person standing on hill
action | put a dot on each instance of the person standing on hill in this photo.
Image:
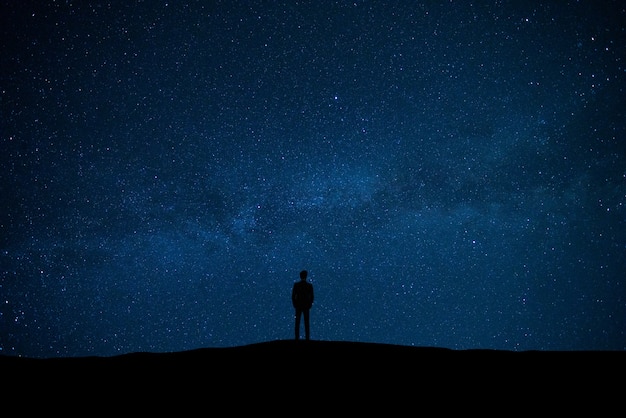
(302, 299)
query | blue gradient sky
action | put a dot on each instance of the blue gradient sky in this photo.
(450, 174)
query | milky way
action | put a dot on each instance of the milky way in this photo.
(450, 174)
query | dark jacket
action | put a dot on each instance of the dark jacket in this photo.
(302, 295)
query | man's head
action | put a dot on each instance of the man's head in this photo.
(303, 275)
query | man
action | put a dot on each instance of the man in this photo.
(302, 299)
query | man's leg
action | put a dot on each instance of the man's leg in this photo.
(306, 324)
(298, 314)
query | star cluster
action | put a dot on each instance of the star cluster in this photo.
(451, 174)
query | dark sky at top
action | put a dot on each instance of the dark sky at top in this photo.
(450, 173)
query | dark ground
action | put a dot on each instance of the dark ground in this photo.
(273, 375)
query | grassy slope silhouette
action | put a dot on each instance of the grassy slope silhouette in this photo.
(345, 376)
(321, 356)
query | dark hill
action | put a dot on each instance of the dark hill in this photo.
(326, 370)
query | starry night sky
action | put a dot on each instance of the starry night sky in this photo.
(450, 174)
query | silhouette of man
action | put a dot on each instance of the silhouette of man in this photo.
(302, 299)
